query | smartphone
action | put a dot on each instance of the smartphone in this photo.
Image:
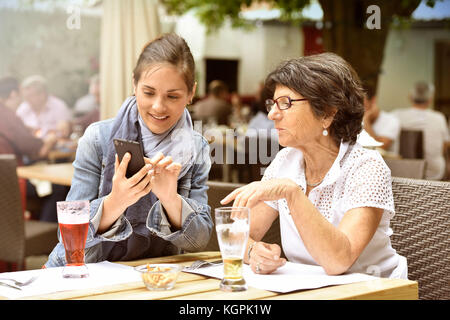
(137, 157)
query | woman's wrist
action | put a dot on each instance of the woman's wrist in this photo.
(111, 211)
(168, 197)
(172, 205)
(249, 250)
(294, 193)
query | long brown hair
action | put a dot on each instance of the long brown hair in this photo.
(168, 48)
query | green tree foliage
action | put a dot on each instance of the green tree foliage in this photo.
(345, 31)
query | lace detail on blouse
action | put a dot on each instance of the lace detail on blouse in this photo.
(358, 178)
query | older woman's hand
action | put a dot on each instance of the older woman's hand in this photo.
(265, 258)
(268, 190)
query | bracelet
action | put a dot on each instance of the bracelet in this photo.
(250, 250)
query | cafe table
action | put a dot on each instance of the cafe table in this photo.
(197, 287)
(57, 173)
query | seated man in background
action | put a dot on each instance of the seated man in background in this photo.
(40, 111)
(215, 107)
(48, 118)
(381, 125)
(432, 123)
(15, 138)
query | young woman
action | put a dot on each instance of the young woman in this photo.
(162, 209)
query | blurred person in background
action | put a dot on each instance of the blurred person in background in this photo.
(48, 118)
(382, 126)
(241, 113)
(214, 108)
(433, 124)
(40, 111)
(15, 137)
(260, 119)
(257, 104)
(91, 101)
(86, 109)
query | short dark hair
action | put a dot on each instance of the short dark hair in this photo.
(327, 81)
(8, 85)
(217, 87)
(170, 48)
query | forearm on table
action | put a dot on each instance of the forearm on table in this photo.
(328, 246)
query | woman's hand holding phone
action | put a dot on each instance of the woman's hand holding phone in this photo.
(129, 191)
(125, 192)
(160, 175)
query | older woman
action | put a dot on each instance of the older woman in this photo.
(333, 197)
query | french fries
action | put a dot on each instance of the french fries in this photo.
(158, 277)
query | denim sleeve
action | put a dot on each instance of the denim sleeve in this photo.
(196, 228)
(85, 186)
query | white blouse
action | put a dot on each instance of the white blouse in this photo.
(358, 178)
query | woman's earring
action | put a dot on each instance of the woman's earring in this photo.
(325, 132)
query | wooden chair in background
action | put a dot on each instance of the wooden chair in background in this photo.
(19, 238)
(411, 144)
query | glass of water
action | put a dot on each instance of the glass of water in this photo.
(232, 227)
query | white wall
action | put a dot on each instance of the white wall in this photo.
(251, 68)
(408, 58)
(246, 46)
(188, 27)
(409, 55)
(258, 50)
(282, 42)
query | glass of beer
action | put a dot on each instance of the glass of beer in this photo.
(232, 227)
(73, 220)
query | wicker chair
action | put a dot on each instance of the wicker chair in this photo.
(421, 228)
(20, 238)
(216, 192)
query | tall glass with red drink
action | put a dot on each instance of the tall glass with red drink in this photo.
(73, 220)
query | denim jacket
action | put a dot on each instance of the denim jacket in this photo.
(153, 225)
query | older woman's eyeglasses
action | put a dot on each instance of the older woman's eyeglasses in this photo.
(283, 103)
